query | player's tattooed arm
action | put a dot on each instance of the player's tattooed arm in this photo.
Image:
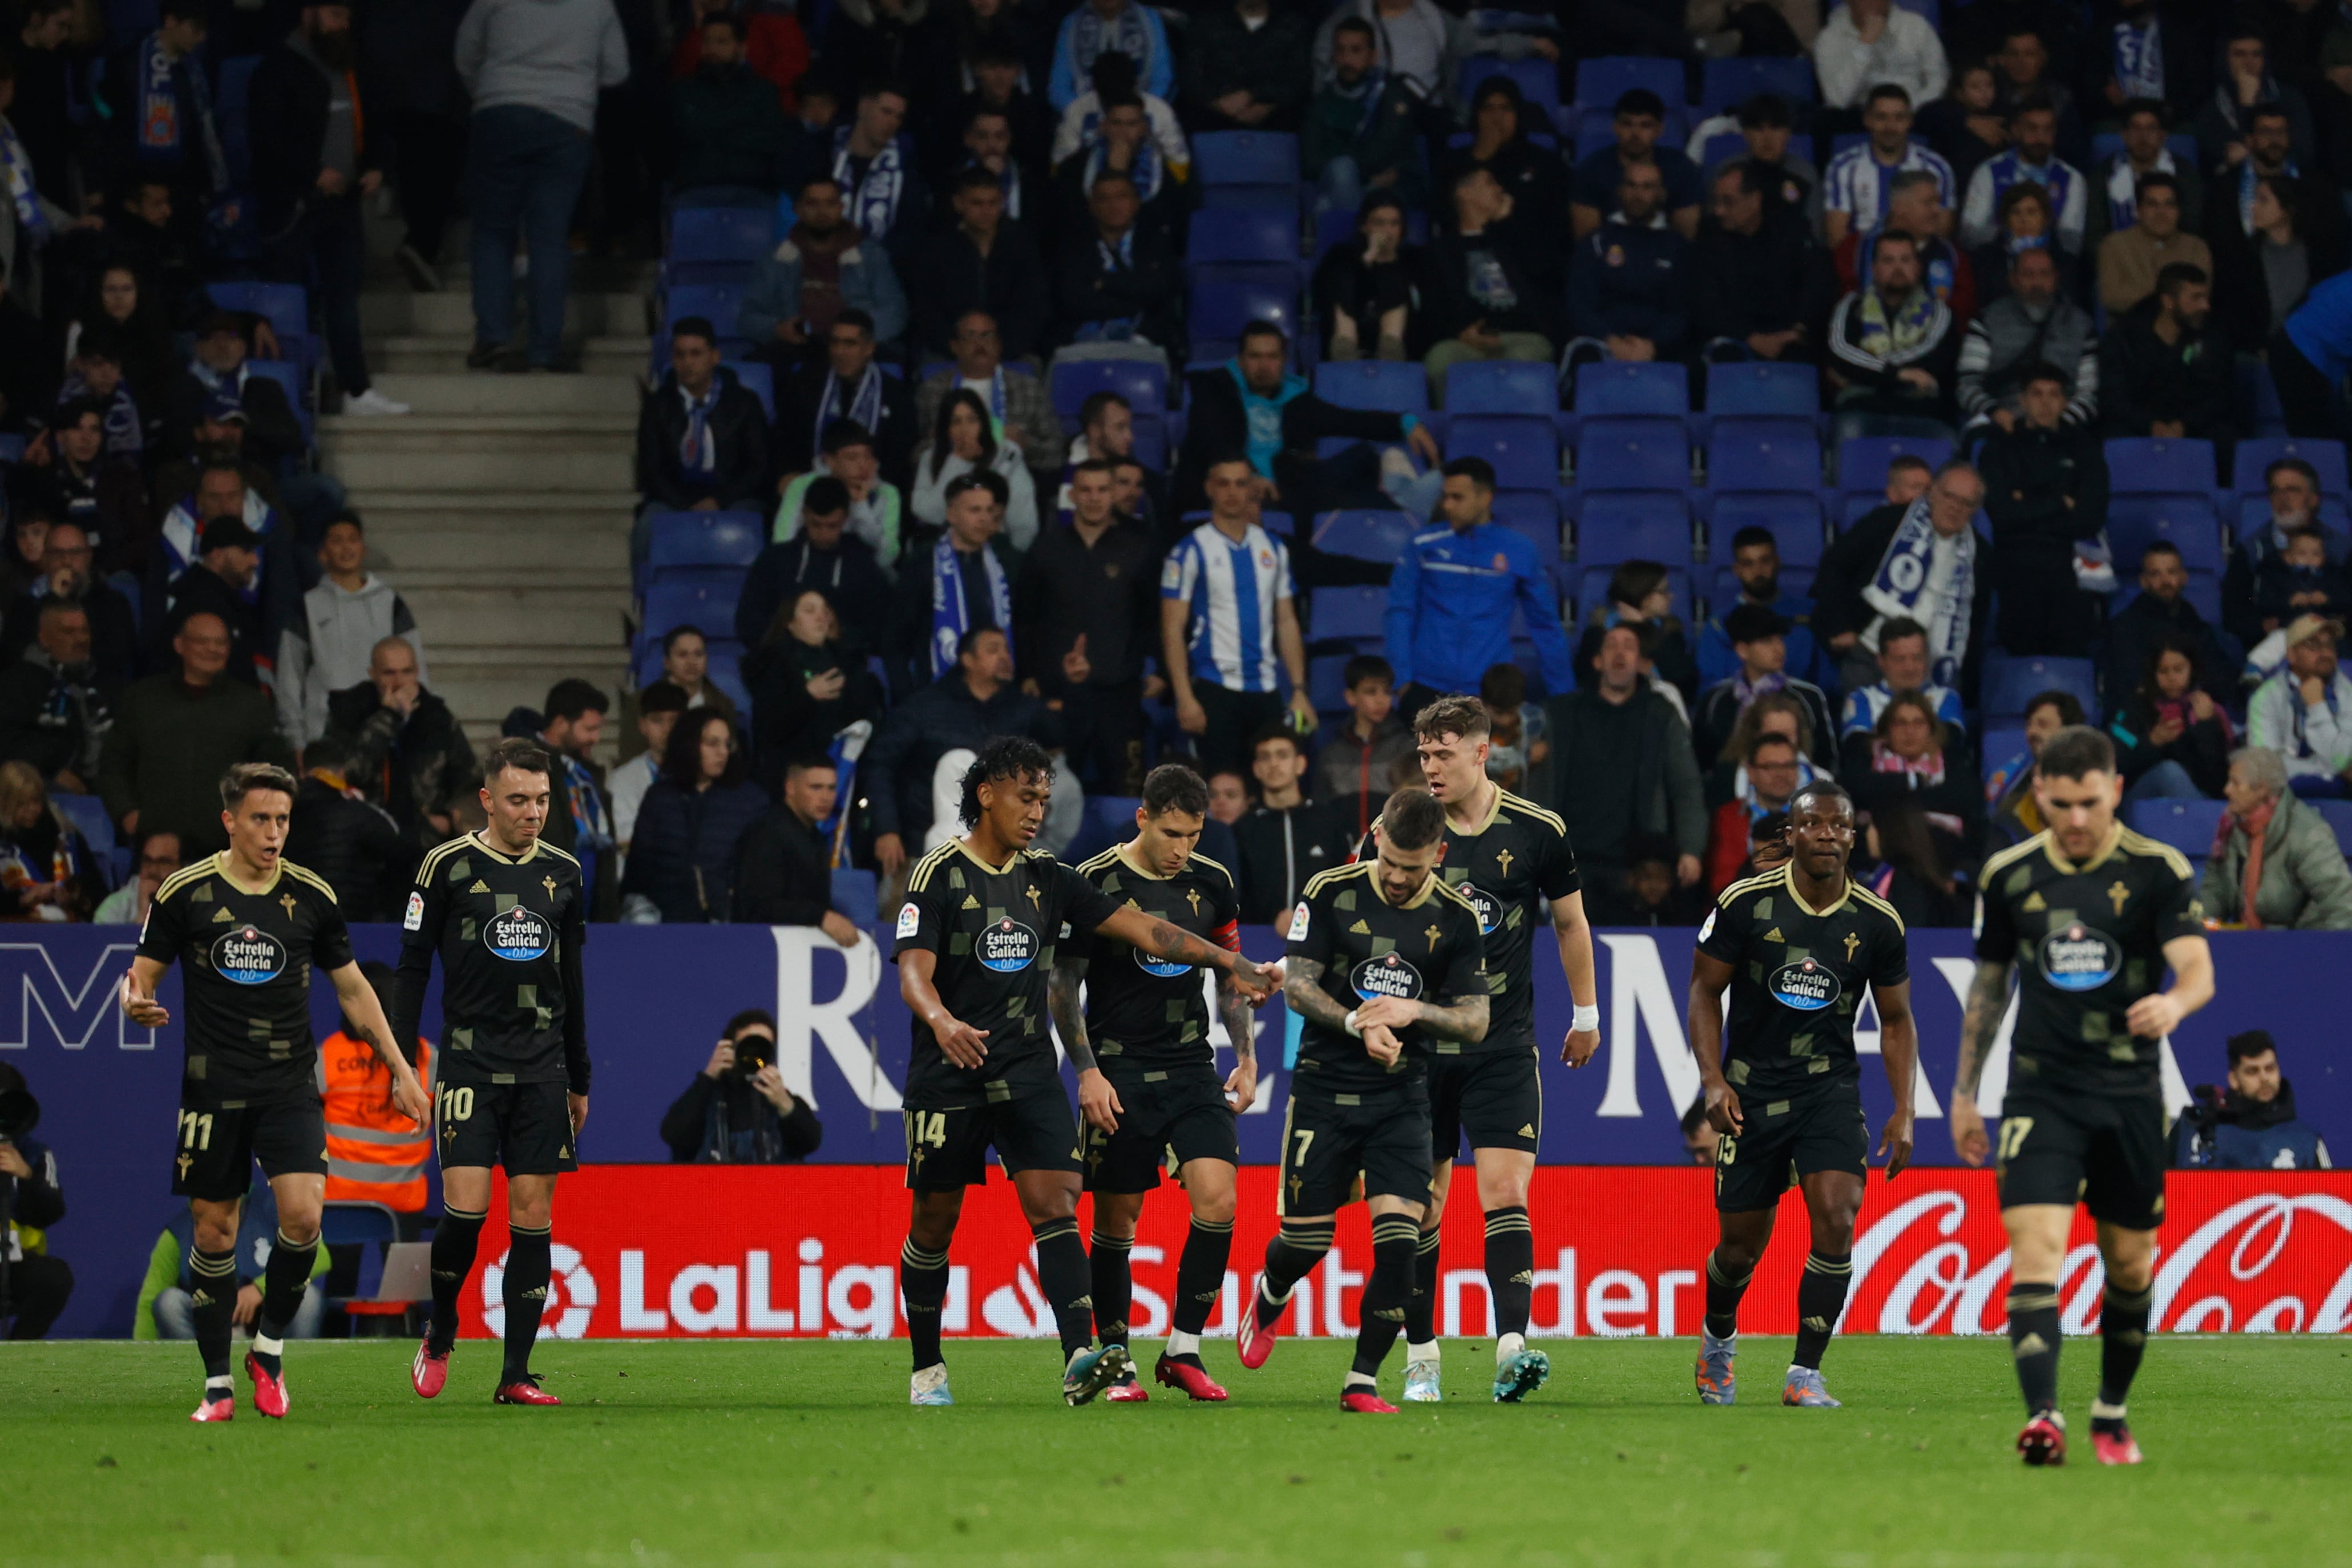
(1461, 1018)
(1302, 991)
(1980, 1021)
(1240, 1018)
(1162, 939)
(1069, 1017)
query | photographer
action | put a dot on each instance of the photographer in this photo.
(33, 1285)
(166, 1295)
(2249, 1123)
(738, 1110)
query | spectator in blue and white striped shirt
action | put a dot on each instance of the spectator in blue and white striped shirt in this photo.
(2032, 155)
(1860, 180)
(1227, 610)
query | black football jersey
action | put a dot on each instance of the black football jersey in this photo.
(1141, 1009)
(245, 972)
(994, 930)
(1428, 949)
(1797, 980)
(1519, 856)
(503, 927)
(2088, 942)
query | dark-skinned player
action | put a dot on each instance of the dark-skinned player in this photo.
(1796, 945)
(975, 951)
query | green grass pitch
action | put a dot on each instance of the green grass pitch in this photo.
(807, 1452)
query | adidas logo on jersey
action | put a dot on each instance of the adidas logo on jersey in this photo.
(970, 902)
(1528, 1130)
(223, 916)
(2034, 904)
(1360, 929)
(479, 887)
(1774, 935)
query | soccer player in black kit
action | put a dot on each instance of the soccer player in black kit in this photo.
(1372, 944)
(507, 914)
(245, 926)
(1506, 856)
(975, 950)
(1796, 945)
(1147, 1083)
(2089, 915)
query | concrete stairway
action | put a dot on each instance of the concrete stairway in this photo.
(500, 507)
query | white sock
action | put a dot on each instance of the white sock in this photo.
(268, 1346)
(1425, 1350)
(1183, 1344)
(1359, 1379)
(1507, 1346)
(2103, 1411)
(224, 1384)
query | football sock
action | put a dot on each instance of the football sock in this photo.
(2123, 1340)
(1200, 1277)
(453, 1240)
(1724, 1289)
(1421, 1312)
(1182, 1346)
(923, 1282)
(1821, 1296)
(529, 1265)
(1511, 1267)
(1113, 1287)
(1388, 1293)
(284, 1279)
(2033, 1340)
(213, 1307)
(1062, 1275)
(1294, 1252)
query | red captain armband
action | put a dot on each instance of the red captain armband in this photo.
(1228, 936)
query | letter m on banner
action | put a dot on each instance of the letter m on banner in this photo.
(1642, 1000)
(69, 1011)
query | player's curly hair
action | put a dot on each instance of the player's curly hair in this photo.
(1005, 757)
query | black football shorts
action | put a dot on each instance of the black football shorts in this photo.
(1785, 1140)
(1493, 1098)
(1029, 1126)
(1331, 1138)
(2107, 1152)
(1169, 1118)
(523, 1127)
(214, 1154)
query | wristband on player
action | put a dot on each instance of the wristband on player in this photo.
(1348, 1024)
(1585, 1020)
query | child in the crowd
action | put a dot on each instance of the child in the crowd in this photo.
(1519, 739)
(1359, 760)
(2298, 581)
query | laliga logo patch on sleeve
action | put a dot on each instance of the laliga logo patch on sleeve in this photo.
(910, 920)
(1299, 924)
(1708, 929)
(415, 919)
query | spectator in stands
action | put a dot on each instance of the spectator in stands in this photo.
(48, 873)
(403, 747)
(1120, 286)
(1531, 176)
(64, 574)
(1773, 713)
(2305, 712)
(1083, 614)
(2151, 52)
(1107, 430)
(56, 705)
(2009, 782)
(1002, 83)
(847, 384)
(163, 117)
(1367, 289)
(993, 148)
(970, 554)
(2230, 124)
(1629, 281)
(806, 687)
(1452, 595)
(738, 1113)
(1360, 759)
(1020, 410)
(985, 268)
(1770, 771)
(820, 554)
(1226, 615)
(2260, 278)
(1912, 758)
(1422, 45)
(882, 192)
(1752, 282)
(219, 441)
(1284, 837)
(165, 1309)
(2309, 356)
(2165, 367)
(177, 732)
(344, 618)
(1638, 121)
(1252, 409)
(95, 372)
(2021, 222)
(2173, 739)
(1857, 189)
(784, 865)
(154, 860)
(2045, 483)
(1642, 593)
(2276, 864)
(1915, 208)
(876, 506)
(685, 664)
(2250, 1123)
(1965, 126)
(218, 583)
(729, 119)
(1893, 349)
(151, 360)
(1084, 123)
(2119, 181)
(2270, 154)
(702, 437)
(1902, 664)
(1485, 292)
(2161, 612)
(1101, 27)
(2033, 156)
(1786, 178)
(81, 484)
(681, 864)
(2293, 485)
(1656, 792)
(1362, 131)
(2292, 580)
(1248, 68)
(956, 712)
(2131, 257)
(659, 707)
(346, 837)
(1121, 142)
(1759, 638)
(39, 1285)
(1865, 43)
(1756, 563)
(963, 441)
(579, 817)
(217, 369)
(808, 131)
(821, 272)
(532, 69)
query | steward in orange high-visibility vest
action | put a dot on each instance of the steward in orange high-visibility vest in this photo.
(375, 1154)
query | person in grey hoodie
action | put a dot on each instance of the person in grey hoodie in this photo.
(331, 646)
(533, 68)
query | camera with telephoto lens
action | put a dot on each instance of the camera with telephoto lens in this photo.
(752, 1052)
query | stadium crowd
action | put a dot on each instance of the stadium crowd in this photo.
(1751, 394)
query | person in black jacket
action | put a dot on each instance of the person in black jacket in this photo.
(682, 855)
(2046, 493)
(54, 707)
(347, 838)
(1285, 837)
(1755, 281)
(311, 165)
(1488, 297)
(738, 1111)
(1628, 287)
(702, 438)
(836, 387)
(38, 1284)
(805, 686)
(1085, 611)
(824, 555)
(272, 432)
(784, 866)
(110, 644)
(2161, 611)
(984, 262)
(1119, 283)
(2165, 368)
(1894, 352)
(215, 584)
(408, 69)
(406, 749)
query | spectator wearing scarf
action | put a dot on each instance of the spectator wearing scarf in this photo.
(821, 269)
(167, 104)
(2245, 85)
(846, 383)
(880, 187)
(2305, 711)
(1102, 27)
(1916, 759)
(1758, 637)
(1893, 350)
(962, 584)
(2034, 126)
(2275, 863)
(48, 872)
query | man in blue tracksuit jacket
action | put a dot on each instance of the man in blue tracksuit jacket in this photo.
(2309, 355)
(1450, 598)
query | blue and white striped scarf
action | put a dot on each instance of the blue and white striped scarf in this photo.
(872, 202)
(951, 616)
(1902, 580)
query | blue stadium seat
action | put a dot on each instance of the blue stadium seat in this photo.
(1616, 386)
(88, 815)
(1141, 382)
(1523, 449)
(1600, 81)
(716, 245)
(1366, 535)
(705, 599)
(1227, 296)
(694, 540)
(1343, 615)
(2259, 408)
(2253, 456)
(1647, 525)
(1764, 454)
(1108, 819)
(1387, 387)
(2185, 521)
(2339, 814)
(718, 303)
(759, 380)
(1638, 454)
(1862, 462)
(2150, 465)
(1762, 388)
(2010, 683)
(1539, 80)
(1534, 514)
(1243, 236)
(1247, 168)
(1727, 84)
(1326, 682)
(11, 449)
(1502, 386)
(1795, 522)
(2186, 825)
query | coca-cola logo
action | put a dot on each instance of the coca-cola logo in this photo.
(1389, 975)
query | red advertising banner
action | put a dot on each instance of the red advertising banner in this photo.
(812, 1250)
